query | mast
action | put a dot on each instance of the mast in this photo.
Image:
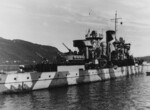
(116, 21)
(115, 24)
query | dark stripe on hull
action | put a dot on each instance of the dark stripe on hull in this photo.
(65, 78)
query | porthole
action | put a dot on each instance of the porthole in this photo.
(49, 76)
(15, 78)
(39, 76)
(76, 74)
(27, 77)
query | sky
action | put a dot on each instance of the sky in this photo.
(53, 22)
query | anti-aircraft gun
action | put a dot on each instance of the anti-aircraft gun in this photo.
(120, 54)
(44, 65)
(72, 57)
(70, 51)
(44, 60)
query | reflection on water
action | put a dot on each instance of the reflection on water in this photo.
(132, 93)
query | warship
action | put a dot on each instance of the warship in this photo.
(95, 60)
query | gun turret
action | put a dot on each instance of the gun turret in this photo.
(70, 51)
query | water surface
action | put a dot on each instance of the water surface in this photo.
(128, 93)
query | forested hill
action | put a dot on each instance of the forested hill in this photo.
(24, 52)
(146, 58)
(19, 51)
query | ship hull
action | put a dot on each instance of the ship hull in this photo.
(20, 82)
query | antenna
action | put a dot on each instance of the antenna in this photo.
(116, 21)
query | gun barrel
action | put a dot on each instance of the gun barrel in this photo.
(67, 47)
(38, 54)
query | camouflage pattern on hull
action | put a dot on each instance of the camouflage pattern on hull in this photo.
(28, 81)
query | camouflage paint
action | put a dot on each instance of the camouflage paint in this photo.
(84, 76)
(112, 73)
(101, 74)
(2, 83)
(59, 79)
(20, 82)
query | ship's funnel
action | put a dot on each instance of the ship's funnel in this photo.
(109, 36)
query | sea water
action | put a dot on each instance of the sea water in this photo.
(127, 93)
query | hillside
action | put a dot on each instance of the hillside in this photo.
(20, 52)
(146, 58)
(23, 52)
